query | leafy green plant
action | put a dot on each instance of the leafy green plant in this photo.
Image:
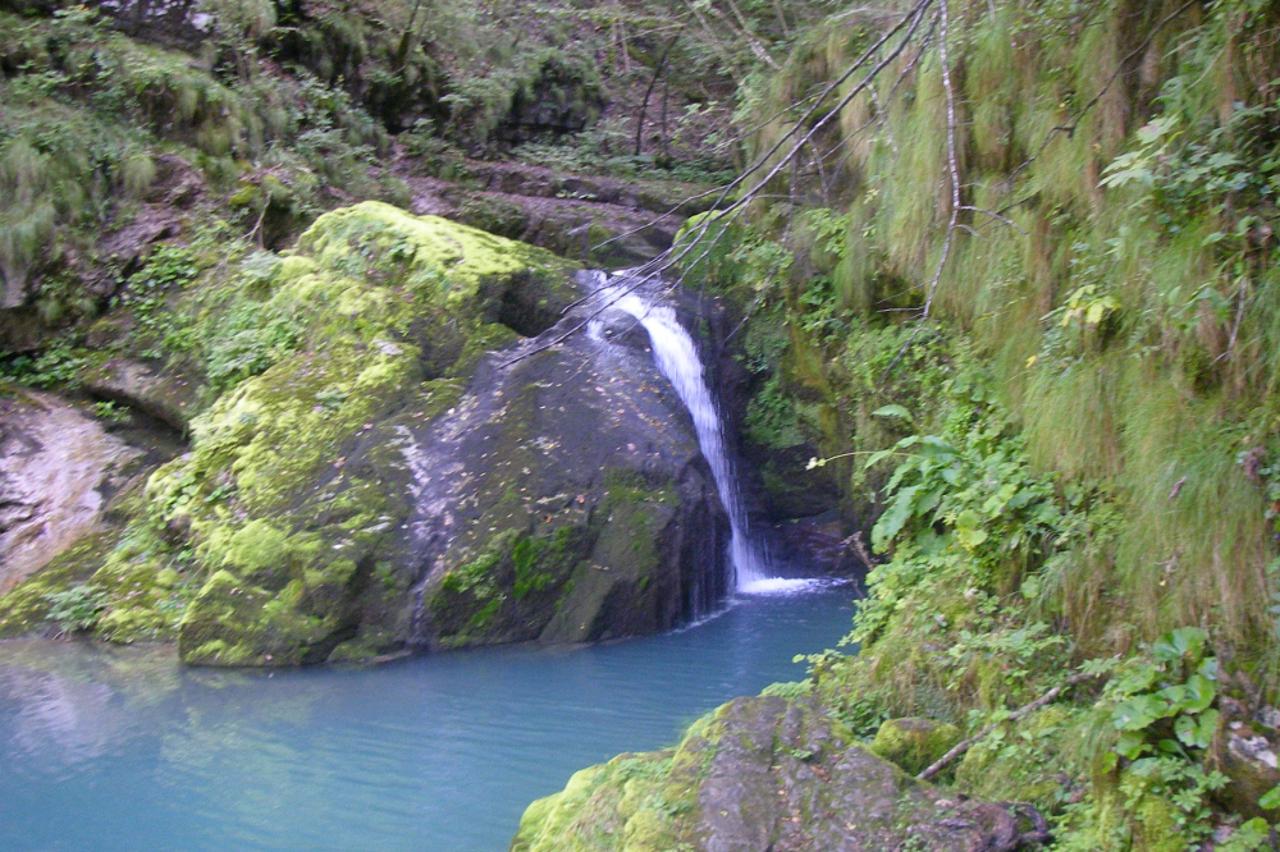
(59, 365)
(110, 411)
(77, 608)
(969, 486)
(146, 293)
(1162, 705)
(1169, 693)
(247, 341)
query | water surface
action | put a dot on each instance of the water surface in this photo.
(123, 749)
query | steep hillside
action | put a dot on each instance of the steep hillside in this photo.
(1018, 300)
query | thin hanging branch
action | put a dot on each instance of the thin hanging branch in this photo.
(952, 167)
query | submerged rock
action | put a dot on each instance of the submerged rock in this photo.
(759, 773)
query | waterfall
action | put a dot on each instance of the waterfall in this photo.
(677, 360)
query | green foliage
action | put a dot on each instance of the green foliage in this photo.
(772, 419)
(59, 365)
(979, 487)
(77, 608)
(1174, 689)
(110, 411)
(248, 340)
(148, 292)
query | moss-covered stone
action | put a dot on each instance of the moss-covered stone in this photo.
(261, 544)
(355, 444)
(914, 743)
(755, 774)
(26, 607)
(393, 310)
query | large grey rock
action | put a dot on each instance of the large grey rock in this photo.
(564, 498)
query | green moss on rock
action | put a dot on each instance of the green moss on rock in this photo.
(26, 607)
(757, 773)
(283, 500)
(914, 743)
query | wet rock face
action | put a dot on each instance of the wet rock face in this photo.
(58, 467)
(760, 773)
(564, 498)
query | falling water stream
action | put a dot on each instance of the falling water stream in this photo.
(677, 359)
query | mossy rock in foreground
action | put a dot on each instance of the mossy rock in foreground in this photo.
(758, 773)
(378, 480)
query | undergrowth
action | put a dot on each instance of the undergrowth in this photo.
(1070, 461)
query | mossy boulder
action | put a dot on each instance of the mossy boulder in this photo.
(758, 773)
(295, 494)
(914, 743)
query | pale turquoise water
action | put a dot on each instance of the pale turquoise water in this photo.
(121, 749)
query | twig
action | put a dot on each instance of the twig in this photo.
(998, 216)
(953, 168)
(964, 745)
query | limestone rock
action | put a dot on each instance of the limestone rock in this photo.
(58, 468)
(386, 480)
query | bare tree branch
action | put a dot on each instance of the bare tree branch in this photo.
(964, 745)
(952, 168)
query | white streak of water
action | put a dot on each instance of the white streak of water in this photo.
(677, 359)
